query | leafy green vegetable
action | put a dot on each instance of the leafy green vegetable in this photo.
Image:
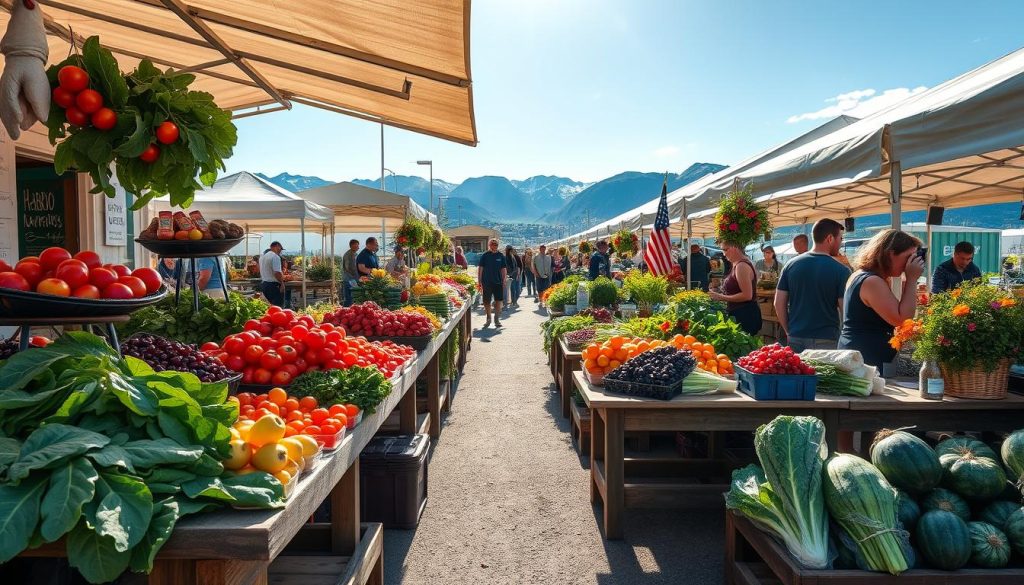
(71, 487)
(366, 387)
(121, 510)
(214, 320)
(554, 328)
(51, 446)
(645, 288)
(603, 292)
(832, 380)
(727, 337)
(19, 515)
(143, 100)
(562, 295)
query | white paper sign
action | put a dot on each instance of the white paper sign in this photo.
(115, 215)
(8, 204)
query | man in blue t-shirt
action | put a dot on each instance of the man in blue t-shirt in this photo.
(367, 259)
(492, 269)
(600, 262)
(809, 296)
(209, 278)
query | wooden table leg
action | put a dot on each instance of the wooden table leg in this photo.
(565, 385)
(433, 376)
(553, 358)
(345, 512)
(614, 472)
(596, 452)
(407, 411)
(464, 333)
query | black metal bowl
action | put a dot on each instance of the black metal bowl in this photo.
(189, 248)
(21, 304)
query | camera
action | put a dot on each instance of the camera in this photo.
(922, 253)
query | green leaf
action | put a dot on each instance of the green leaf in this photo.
(52, 445)
(196, 145)
(188, 506)
(140, 138)
(19, 515)
(63, 158)
(146, 454)
(71, 486)
(257, 489)
(112, 456)
(208, 466)
(135, 395)
(170, 475)
(165, 516)
(226, 414)
(95, 556)
(103, 71)
(9, 449)
(123, 511)
(207, 487)
(211, 394)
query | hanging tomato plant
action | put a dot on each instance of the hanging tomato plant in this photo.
(160, 137)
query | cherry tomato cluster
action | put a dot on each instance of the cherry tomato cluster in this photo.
(370, 319)
(82, 106)
(301, 415)
(282, 345)
(775, 359)
(56, 272)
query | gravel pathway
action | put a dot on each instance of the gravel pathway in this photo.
(509, 501)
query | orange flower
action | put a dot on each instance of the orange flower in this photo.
(1007, 302)
(960, 310)
(955, 293)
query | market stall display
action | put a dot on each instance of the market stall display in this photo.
(406, 327)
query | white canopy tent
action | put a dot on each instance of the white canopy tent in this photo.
(257, 205)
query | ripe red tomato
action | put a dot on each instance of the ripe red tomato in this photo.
(150, 155)
(62, 97)
(247, 376)
(89, 101)
(167, 132)
(86, 291)
(316, 339)
(262, 376)
(301, 364)
(267, 343)
(138, 287)
(291, 369)
(104, 119)
(76, 117)
(299, 332)
(251, 325)
(236, 363)
(14, 280)
(53, 286)
(73, 79)
(281, 378)
(334, 365)
(252, 355)
(312, 357)
(119, 269)
(5, 267)
(91, 259)
(51, 258)
(118, 290)
(209, 346)
(74, 272)
(271, 360)
(287, 353)
(102, 277)
(151, 278)
(234, 345)
(32, 271)
(39, 341)
(324, 355)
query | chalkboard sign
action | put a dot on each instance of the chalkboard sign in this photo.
(41, 222)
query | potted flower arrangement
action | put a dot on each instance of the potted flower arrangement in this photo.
(586, 248)
(740, 220)
(625, 243)
(413, 233)
(974, 332)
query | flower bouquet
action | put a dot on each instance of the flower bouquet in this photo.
(740, 220)
(586, 248)
(413, 233)
(974, 332)
(625, 243)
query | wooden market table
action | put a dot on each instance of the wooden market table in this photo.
(614, 477)
(567, 362)
(242, 547)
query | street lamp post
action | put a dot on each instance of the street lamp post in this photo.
(394, 178)
(430, 164)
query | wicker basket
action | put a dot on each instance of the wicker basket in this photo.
(976, 383)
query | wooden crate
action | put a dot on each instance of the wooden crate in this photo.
(580, 429)
(307, 561)
(754, 558)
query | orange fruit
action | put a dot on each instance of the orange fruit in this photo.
(697, 346)
(689, 339)
(722, 356)
(307, 403)
(602, 361)
(616, 342)
(589, 363)
(707, 355)
(621, 355)
(614, 364)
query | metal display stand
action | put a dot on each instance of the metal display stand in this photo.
(192, 272)
(25, 325)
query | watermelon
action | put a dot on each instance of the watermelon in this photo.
(1012, 453)
(963, 446)
(1014, 529)
(943, 540)
(943, 499)
(998, 512)
(972, 476)
(907, 511)
(906, 461)
(989, 546)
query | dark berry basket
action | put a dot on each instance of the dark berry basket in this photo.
(639, 390)
(232, 381)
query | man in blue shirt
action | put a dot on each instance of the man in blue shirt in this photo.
(953, 272)
(492, 270)
(367, 259)
(600, 262)
(809, 296)
(210, 278)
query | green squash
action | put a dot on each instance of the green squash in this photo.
(989, 546)
(973, 477)
(1014, 529)
(943, 540)
(998, 512)
(906, 461)
(1012, 453)
(945, 500)
(907, 511)
(963, 446)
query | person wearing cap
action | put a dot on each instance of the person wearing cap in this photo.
(367, 261)
(492, 270)
(272, 275)
(600, 262)
(700, 264)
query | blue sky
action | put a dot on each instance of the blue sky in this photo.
(590, 88)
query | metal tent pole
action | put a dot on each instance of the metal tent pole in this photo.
(302, 228)
(896, 200)
(686, 247)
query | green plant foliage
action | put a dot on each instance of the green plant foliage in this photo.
(603, 292)
(646, 289)
(740, 220)
(556, 327)
(215, 319)
(366, 387)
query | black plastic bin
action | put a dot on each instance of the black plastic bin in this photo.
(393, 480)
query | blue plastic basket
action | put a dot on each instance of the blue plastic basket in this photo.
(776, 387)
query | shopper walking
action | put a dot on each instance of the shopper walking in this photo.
(515, 274)
(491, 274)
(350, 273)
(870, 309)
(600, 262)
(460, 258)
(529, 280)
(953, 272)
(272, 275)
(738, 290)
(556, 267)
(809, 296)
(769, 267)
(542, 265)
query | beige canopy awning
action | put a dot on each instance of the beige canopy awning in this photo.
(404, 63)
(359, 209)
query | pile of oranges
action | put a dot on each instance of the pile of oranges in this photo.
(301, 416)
(601, 358)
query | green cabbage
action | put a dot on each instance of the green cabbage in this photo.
(785, 498)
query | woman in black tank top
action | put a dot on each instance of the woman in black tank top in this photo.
(739, 290)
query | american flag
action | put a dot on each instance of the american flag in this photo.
(658, 252)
